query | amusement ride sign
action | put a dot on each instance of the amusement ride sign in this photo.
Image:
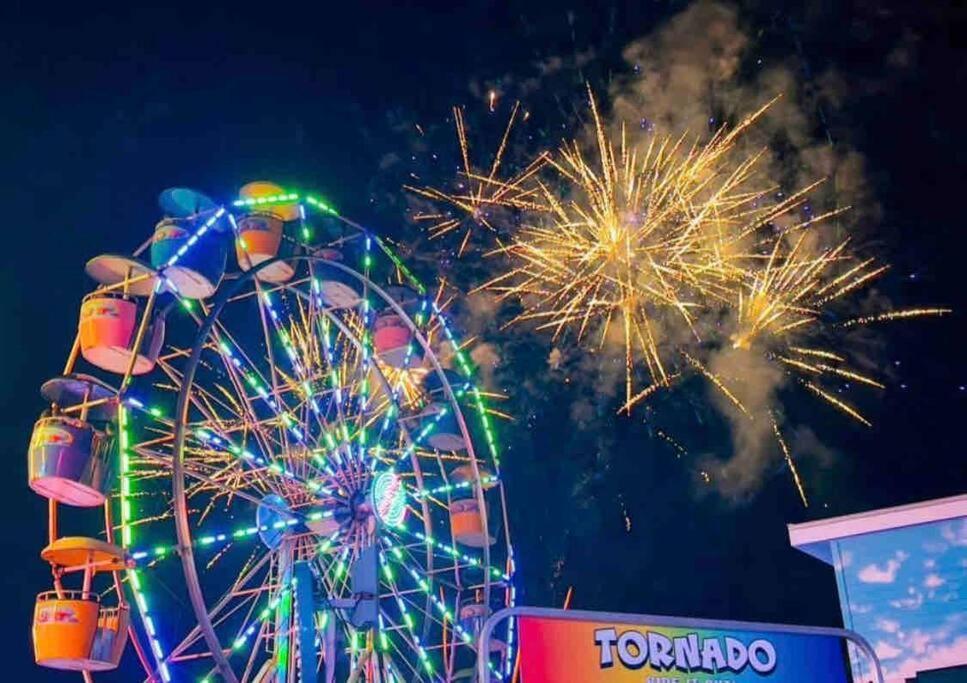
(558, 646)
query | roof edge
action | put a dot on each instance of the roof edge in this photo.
(882, 519)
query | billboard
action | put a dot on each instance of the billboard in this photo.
(902, 584)
(559, 646)
(903, 589)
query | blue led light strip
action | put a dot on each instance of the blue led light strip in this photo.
(454, 552)
(208, 438)
(447, 488)
(183, 249)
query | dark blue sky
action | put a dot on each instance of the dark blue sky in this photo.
(101, 109)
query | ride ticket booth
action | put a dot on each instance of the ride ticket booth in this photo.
(901, 574)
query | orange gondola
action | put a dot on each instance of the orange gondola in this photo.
(266, 232)
(108, 328)
(72, 630)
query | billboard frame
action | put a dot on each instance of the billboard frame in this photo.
(483, 647)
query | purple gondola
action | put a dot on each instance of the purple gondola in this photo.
(70, 458)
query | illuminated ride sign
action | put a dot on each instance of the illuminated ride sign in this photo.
(388, 498)
(558, 646)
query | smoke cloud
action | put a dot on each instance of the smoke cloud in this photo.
(690, 76)
(754, 382)
(695, 73)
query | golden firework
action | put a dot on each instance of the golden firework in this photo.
(480, 191)
(640, 240)
(782, 312)
(671, 251)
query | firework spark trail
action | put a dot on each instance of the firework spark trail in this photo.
(784, 307)
(646, 392)
(789, 461)
(717, 383)
(845, 407)
(483, 191)
(680, 450)
(896, 315)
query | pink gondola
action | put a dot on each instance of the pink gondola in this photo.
(108, 329)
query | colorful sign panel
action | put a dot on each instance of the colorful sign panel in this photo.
(555, 650)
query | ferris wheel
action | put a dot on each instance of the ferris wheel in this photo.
(283, 473)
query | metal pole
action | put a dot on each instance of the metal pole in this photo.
(75, 350)
(51, 520)
(52, 536)
(138, 338)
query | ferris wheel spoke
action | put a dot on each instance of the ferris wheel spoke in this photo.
(212, 422)
(247, 412)
(254, 651)
(290, 384)
(224, 601)
(282, 335)
(391, 663)
(401, 655)
(406, 616)
(335, 574)
(234, 469)
(424, 505)
(165, 461)
(397, 387)
(203, 400)
(336, 383)
(422, 576)
(252, 376)
(247, 602)
(254, 426)
(454, 559)
(317, 353)
(273, 369)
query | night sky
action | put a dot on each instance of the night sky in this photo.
(101, 109)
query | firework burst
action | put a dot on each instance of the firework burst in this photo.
(623, 243)
(673, 251)
(784, 313)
